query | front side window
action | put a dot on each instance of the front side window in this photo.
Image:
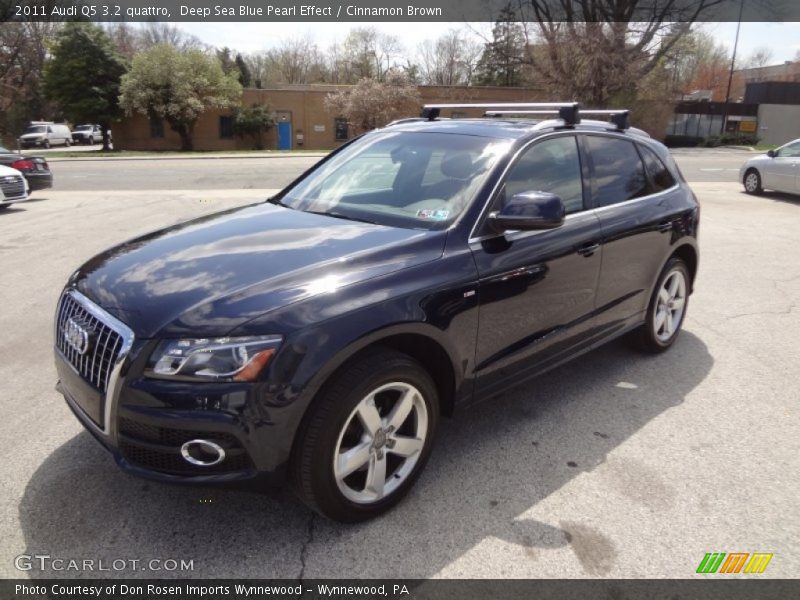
(789, 151)
(618, 171)
(660, 176)
(400, 179)
(553, 166)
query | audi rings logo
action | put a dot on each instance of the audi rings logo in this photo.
(76, 336)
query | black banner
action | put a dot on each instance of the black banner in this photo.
(716, 587)
(397, 10)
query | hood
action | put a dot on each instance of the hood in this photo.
(32, 136)
(207, 276)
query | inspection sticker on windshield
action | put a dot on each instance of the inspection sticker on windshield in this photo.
(436, 215)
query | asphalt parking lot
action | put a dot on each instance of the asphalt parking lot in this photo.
(616, 465)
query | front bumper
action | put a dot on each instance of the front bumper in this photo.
(144, 423)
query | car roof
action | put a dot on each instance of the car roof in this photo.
(505, 128)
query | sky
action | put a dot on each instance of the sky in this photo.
(782, 38)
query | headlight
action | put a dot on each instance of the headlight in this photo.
(214, 359)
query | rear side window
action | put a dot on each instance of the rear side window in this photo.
(551, 166)
(618, 171)
(660, 176)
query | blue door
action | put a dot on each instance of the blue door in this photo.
(284, 135)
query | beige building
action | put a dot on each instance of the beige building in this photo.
(302, 121)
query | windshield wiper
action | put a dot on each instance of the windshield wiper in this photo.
(337, 215)
(278, 202)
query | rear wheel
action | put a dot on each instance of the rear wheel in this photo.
(666, 310)
(752, 182)
(67, 143)
(46, 144)
(367, 438)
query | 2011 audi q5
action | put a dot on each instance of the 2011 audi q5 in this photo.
(318, 337)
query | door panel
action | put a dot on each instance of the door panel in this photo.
(783, 171)
(536, 295)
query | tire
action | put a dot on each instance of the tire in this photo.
(67, 143)
(666, 311)
(752, 182)
(46, 144)
(350, 492)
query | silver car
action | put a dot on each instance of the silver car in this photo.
(777, 170)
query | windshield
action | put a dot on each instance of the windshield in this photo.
(36, 129)
(400, 179)
(5, 150)
(83, 128)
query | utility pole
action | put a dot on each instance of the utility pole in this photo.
(730, 74)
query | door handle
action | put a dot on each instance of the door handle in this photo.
(588, 249)
(665, 227)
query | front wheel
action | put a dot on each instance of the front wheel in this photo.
(752, 182)
(666, 310)
(367, 438)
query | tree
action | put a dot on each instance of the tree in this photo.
(760, 57)
(155, 33)
(245, 78)
(23, 51)
(295, 60)
(83, 75)
(254, 122)
(449, 60)
(370, 103)
(600, 51)
(177, 85)
(503, 59)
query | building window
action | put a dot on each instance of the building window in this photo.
(225, 127)
(156, 128)
(341, 129)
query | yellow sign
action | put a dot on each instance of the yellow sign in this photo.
(747, 126)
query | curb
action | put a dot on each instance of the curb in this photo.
(174, 157)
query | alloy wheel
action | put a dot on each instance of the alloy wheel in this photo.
(751, 182)
(670, 306)
(380, 443)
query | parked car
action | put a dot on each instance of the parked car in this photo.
(34, 168)
(13, 187)
(44, 135)
(319, 336)
(88, 134)
(777, 170)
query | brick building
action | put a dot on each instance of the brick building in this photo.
(302, 121)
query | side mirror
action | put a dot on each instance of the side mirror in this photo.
(771, 153)
(529, 211)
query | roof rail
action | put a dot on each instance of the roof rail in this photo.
(566, 110)
(570, 112)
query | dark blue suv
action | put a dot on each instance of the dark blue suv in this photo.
(318, 337)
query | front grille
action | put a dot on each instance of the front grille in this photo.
(13, 186)
(158, 449)
(95, 359)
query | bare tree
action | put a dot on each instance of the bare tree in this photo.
(371, 103)
(126, 39)
(599, 51)
(760, 57)
(295, 60)
(449, 60)
(369, 53)
(155, 33)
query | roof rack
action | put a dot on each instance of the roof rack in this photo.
(566, 110)
(569, 112)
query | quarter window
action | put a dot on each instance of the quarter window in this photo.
(551, 166)
(660, 176)
(618, 170)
